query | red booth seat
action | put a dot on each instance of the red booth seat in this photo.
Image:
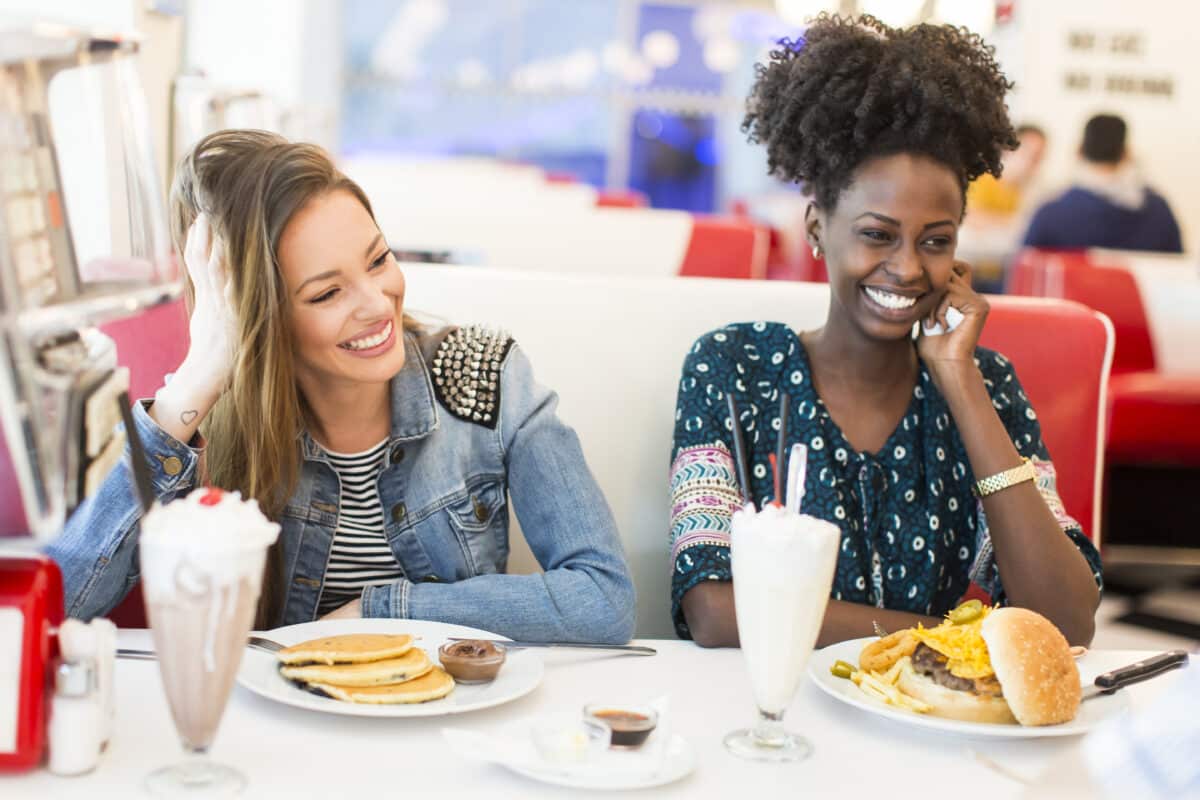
(1152, 418)
(621, 198)
(1068, 402)
(726, 247)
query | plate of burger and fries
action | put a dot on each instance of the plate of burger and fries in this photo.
(993, 672)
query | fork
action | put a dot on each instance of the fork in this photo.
(259, 643)
(255, 642)
(879, 630)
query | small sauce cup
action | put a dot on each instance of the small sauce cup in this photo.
(631, 725)
(472, 660)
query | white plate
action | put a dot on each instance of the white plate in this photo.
(677, 763)
(1091, 713)
(521, 673)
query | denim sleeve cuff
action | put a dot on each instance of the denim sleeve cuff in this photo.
(389, 601)
(172, 463)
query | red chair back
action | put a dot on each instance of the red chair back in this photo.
(12, 511)
(1109, 289)
(726, 247)
(621, 198)
(1062, 352)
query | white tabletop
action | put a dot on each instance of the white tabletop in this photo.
(304, 754)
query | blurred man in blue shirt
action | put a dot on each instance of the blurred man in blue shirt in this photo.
(1109, 204)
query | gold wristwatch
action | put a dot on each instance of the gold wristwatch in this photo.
(1009, 477)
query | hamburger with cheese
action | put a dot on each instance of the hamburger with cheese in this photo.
(1001, 665)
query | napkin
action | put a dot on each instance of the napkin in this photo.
(514, 748)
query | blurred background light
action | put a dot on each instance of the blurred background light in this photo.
(660, 48)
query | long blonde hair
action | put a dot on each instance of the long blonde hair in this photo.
(250, 184)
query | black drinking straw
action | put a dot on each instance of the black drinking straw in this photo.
(141, 474)
(739, 449)
(781, 447)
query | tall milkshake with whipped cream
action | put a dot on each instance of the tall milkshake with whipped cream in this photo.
(783, 565)
(202, 561)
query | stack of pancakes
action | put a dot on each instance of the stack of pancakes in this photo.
(365, 668)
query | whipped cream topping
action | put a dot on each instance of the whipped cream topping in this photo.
(209, 537)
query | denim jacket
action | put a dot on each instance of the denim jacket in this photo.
(445, 487)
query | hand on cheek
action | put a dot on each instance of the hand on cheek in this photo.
(954, 347)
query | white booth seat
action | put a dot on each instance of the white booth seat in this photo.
(565, 240)
(612, 348)
(1170, 290)
(397, 184)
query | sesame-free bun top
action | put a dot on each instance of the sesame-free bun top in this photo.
(1033, 663)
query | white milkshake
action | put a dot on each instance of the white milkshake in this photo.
(783, 565)
(202, 560)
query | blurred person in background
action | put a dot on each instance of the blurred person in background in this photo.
(1000, 200)
(1109, 204)
(999, 208)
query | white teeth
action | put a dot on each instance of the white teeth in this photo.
(368, 342)
(888, 299)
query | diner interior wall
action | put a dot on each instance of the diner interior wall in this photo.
(1163, 128)
(288, 50)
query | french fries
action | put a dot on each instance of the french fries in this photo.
(882, 686)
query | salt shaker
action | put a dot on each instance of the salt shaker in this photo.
(74, 729)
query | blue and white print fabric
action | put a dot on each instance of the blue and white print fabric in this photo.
(913, 534)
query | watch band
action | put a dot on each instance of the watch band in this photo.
(1009, 477)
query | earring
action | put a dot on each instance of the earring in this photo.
(816, 252)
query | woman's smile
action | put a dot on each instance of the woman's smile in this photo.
(376, 340)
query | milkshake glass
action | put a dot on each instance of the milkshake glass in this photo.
(202, 561)
(783, 565)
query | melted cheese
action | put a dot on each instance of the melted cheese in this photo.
(962, 645)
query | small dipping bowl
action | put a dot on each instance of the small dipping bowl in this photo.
(630, 725)
(472, 660)
(567, 739)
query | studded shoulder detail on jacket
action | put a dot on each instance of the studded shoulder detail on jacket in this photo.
(466, 373)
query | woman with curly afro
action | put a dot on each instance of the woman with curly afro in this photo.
(925, 452)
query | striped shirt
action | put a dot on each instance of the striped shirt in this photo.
(360, 555)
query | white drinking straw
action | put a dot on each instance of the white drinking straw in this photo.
(797, 469)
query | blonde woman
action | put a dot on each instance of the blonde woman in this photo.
(387, 454)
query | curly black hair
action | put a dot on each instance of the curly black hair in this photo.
(854, 89)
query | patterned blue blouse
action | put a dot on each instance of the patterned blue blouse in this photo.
(914, 537)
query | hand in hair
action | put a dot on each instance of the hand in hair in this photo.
(180, 406)
(212, 327)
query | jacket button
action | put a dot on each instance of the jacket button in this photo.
(172, 465)
(398, 512)
(481, 512)
(397, 454)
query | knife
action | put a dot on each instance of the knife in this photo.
(1110, 682)
(514, 645)
(635, 649)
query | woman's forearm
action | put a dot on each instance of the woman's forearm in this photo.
(564, 605)
(712, 618)
(1040, 567)
(182, 404)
